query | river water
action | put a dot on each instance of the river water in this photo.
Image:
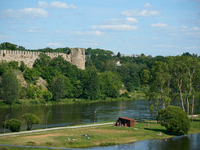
(185, 142)
(82, 113)
(79, 113)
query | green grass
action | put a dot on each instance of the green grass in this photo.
(99, 135)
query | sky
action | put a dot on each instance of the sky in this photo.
(153, 27)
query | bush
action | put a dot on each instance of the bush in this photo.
(42, 101)
(34, 101)
(126, 94)
(174, 119)
(30, 120)
(13, 124)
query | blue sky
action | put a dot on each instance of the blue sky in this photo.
(165, 27)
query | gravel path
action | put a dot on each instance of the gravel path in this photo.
(48, 129)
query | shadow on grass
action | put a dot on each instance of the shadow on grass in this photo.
(195, 120)
(159, 130)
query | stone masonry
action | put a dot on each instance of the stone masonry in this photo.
(75, 57)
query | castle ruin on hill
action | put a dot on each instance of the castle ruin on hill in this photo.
(76, 56)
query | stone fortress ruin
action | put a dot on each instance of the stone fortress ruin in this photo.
(76, 56)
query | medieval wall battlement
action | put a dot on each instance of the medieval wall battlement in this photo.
(75, 57)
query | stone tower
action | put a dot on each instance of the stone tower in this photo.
(78, 57)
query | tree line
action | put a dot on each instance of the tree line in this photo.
(162, 78)
(63, 81)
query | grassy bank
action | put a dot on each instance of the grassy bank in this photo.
(37, 102)
(99, 135)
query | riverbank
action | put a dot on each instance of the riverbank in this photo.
(40, 102)
(102, 135)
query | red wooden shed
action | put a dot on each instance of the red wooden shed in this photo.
(125, 122)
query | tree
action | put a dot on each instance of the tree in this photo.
(31, 75)
(13, 124)
(10, 87)
(58, 88)
(91, 85)
(191, 65)
(178, 69)
(110, 84)
(22, 66)
(47, 95)
(118, 55)
(30, 120)
(160, 80)
(183, 70)
(174, 119)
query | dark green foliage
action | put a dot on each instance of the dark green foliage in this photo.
(8, 46)
(126, 94)
(13, 64)
(110, 83)
(22, 66)
(13, 124)
(174, 119)
(130, 74)
(30, 120)
(31, 75)
(118, 54)
(47, 95)
(108, 66)
(91, 83)
(58, 88)
(10, 87)
(97, 51)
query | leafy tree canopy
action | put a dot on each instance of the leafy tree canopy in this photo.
(174, 119)
(13, 124)
(30, 120)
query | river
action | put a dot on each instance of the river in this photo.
(82, 113)
(185, 142)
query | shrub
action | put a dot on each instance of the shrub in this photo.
(13, 124)
(34, 101)
(42, 101)
(30, 120)
(174, 119)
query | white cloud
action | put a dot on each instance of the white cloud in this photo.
(61, 5)
(36, 30)
(138, 12)
(147, 5)
(192, 32)
(132, 20)
(24, 13)
(54, 44)
(43, 4)
(123, 27)
(89, 33)
(159, 25)
(193, 47)
(2, 37)
(147, 12)
(168, 46)
(196, 28)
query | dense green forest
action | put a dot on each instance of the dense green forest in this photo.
(161, 78)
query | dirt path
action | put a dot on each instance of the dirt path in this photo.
(40, 130)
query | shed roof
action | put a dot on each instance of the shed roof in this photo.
(125, 118)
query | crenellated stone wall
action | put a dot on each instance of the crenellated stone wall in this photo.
(75, 57)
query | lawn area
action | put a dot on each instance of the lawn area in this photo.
(99, 135)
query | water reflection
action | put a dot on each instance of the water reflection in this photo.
(72, 114)
(186, 142)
